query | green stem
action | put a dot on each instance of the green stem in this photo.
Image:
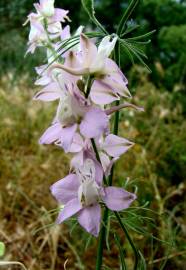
(88, 86)
(99, 258)
(49, 45)
(136, 254)
(98, 158)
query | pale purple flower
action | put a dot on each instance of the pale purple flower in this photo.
(75, 114)
(115, 146)
(110, 87)
(80, 194)
(110, 83)
(47, 19)
(109, 148)
(73, 111)
(37, 35)
(49, 75)
(65, 34)
(46, 9)
(92, 59)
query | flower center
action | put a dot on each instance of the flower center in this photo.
(88, 192)
(65, 113)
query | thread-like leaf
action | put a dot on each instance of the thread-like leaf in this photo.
(135, 250)
(130, 29)
(143, 36)
(142, 264)
(122, 258)
(136, 52)
(136, 49)
(88, 5)
(128, 53)
(126, 16)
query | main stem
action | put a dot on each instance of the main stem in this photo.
(103, 231)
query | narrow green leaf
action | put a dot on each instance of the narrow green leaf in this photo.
(142, 231)
(126, 16)
(141, 60)
(2, 249)
(140, 42)
(136, 54)
(88, 242)
(88, 5)
(130, 29)
(143, 265)
(122, 257)
(135, 250)
(73, 226)
(128, 53)
(136, 49)
(143, 36)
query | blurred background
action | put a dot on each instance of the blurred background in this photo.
(156, 166)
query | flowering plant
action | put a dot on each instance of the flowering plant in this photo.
(86, 79)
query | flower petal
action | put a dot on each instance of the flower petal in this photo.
(77, 160)
(107, 45)
(89, 51)
(59, 15)
(115, 146)
(65, 189)
(52, 134)
(70, 209)
(102, 94)
(73, 71)
(72, 60)
(107, 163)
(110, 66)
(66, 137)
(77, 143)
(94, 124)
(118, 83)
(49, 93)
(98, 173)
(105, 160)
(47, 7)
(89, 218)
(44, 80)
(108, 171)
(65, 32)
(117, 199)
(40, 69)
